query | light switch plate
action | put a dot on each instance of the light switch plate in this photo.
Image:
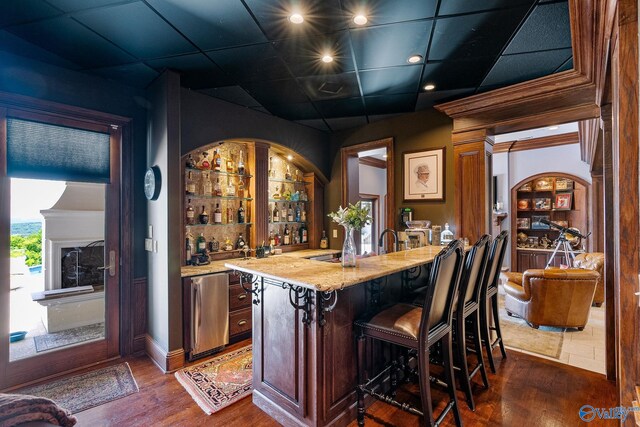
(148, 245)
(335, 233)
(155, 246)
(150, 232)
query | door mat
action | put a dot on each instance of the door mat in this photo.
(516, 333)
(87, 390)
(220, 381)
(69, 337)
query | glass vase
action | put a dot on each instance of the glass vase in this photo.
(348, 248)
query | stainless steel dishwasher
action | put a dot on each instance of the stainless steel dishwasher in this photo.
(209, 314)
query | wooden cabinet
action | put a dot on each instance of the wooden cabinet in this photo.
(528, 259)
(239, 311)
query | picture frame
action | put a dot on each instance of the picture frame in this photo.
(544, 184)
(523, 223)
(532, 242)
(564, 184)
(563, 201)
(423, 174)
(536, 223)
(542, 204)
(524, 204)
(526, 187)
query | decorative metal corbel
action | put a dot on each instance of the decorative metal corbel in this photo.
(251, 285)
(328, 301)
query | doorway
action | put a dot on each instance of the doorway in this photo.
(60, 197)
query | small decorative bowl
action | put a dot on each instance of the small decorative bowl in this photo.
(17, 336)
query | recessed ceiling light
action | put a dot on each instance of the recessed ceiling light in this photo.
(429, 86)
(296, 18)
(552, 127)
(289, 157)
(360, 19)
(414, 59)
(327, 58)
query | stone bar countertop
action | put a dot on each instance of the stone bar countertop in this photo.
(329, 276)
(219, 266)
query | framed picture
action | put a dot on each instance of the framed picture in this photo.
(524, 204)
(564, 184)
(563, 201)
(527, 186)
(542, 204)
(544, 184)
(423, 175)
(532, 242)
(536, 223)
(523, 223)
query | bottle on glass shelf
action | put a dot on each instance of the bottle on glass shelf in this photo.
(304, 235)
(201, 244)
(295, 232)
(287, 235)
(231, 189)
(287, 174)
(272, 172)
(214, 245)
(290, 213)
(229, 215)
(298, 213)
(191, 214)
(204, 216)
(240, 243)
(283, 214)
(324, 241)
(217, 215)
(191, 164)
(241, 187)
(277, 241)
(228, 245)
(272, 238)
(276, 213)
(297, 175)
(203, 163)
(303, 215)
(217, 189)
(187, 252)
(241, 164)
(241, 214)
(207, 187)
(230, 164)
(190, 184)
(217, 161)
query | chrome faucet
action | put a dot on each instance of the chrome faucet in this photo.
(395, 238)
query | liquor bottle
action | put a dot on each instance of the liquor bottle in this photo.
(290, 213)
(217, 161)
(230, 164)
(191, 184)
(298, 213)
(241, 214)
(303, 215)
(217, 215)
(191, 214)
(203, 163)
(241, 187)
(272, 238)
(229, 215)
(217, 189)
(228, 245)
(191, 164)
(276, 193)
(324, 241)
(201, 244)
(304, 235)
(283, 214)
(231, 189)
(295, 232)
(206, 186)
(214, 245)
(204, 216)
(276, 239)
(287, 174)
(276, 213)
(241, 164)
(188, 252)
(287, 235)
(240, 242)
(272, 172)
(297, 175)
(285, 194)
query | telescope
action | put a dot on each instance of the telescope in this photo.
(562, 229)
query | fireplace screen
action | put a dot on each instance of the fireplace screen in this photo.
(80, 265)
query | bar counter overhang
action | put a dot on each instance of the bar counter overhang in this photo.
(304, 362)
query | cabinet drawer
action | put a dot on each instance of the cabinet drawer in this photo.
(240, 321)
(238, 298)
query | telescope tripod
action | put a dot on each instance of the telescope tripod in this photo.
(564, 246)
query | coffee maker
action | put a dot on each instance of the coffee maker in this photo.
(406, 214)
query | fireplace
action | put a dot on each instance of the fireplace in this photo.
(80, 265)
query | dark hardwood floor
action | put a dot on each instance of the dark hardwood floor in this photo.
(526, 391)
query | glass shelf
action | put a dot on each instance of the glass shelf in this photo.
(288, 181)
(219, 225)
(218, 173)
(203, 196)
(287, 222)
(288, 201)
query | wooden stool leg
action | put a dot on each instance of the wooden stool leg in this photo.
(425, 387)
(360, 350)
(393, 375)
(496, 322)
(486, 334)
(449, 376)
(477, 342)
(461, 349)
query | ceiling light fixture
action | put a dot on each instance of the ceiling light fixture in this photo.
(429, 86)
(414, 59)
(360, 19)
(327, 58)
(552, 127)
(296, 18)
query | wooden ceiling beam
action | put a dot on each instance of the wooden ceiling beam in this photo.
(536, 143)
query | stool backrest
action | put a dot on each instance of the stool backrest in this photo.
(473, 273)
(496, 255)
(446, 270)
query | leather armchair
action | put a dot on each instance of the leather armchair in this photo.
(593, 261)
(552, 297)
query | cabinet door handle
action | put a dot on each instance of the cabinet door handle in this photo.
(242, 322)
(242, 296)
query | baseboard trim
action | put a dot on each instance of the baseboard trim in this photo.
(166, 361)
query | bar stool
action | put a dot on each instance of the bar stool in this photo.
(417, 328)
(490, 296)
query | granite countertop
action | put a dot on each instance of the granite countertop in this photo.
(219, 266)
(328, 276)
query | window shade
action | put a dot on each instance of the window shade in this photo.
(44, 151)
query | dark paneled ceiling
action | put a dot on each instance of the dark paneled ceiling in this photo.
(249, 53)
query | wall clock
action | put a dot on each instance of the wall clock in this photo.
(152, 183)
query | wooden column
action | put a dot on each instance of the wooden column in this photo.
(472, 159)
(597, 213)
(260, 193)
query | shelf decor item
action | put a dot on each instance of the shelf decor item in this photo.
(527, 186)
(353, 217)
(542, 204)
(524, 204)
(564, 184)
(544, 184)
(523, 223)
(536, 222)
(563, 201)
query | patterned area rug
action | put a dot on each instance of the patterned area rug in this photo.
(516, 333)
(219, 382)
(69, 337)
(87, 390)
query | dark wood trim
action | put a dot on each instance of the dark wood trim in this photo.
(536, 143)
(373, 162)
(138, 308)
(166, 361)
(259, 186)
(591, 144)
(5, 243)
